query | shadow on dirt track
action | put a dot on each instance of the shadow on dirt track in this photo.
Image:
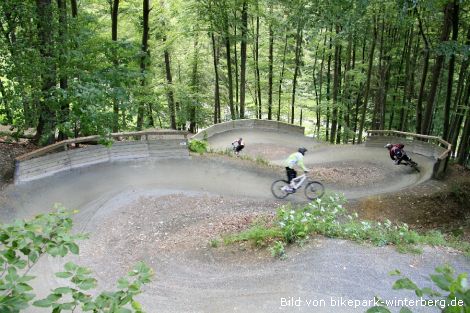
(158, 211)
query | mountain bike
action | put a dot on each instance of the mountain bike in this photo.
(411, 164)
(313, 189)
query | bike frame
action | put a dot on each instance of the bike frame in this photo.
(299, 180)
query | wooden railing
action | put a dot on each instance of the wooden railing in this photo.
(441, 141)
(65, 144)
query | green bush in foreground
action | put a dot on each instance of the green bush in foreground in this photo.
(22, 243)
(198, 146)
(328, 217)
(453, 297)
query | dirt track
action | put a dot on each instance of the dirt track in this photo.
(165, 213)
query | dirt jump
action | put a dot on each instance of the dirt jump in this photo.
(165, 212)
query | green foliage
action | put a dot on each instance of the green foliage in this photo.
(214, 243)
(328, 217)
(122, 300)
(278, 250)
(22, 245)
(452, 296)
(198, 146)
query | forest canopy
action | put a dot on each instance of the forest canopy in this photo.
(71, 68)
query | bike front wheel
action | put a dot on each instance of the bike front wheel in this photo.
(314, 190)
(278, 188)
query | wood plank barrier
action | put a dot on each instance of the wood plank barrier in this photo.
(430, 146)
(249, 123)
(65, 155)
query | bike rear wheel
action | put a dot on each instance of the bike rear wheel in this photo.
(314, 190)
(414, 165)
(278, 188)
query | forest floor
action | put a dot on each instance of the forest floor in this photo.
(8, 152)
(443, 204)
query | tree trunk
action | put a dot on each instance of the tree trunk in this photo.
(270, 66)
(419, 103)
(464, 148)
(336, 82)
(144, 59)
(229, 69)
(169, 89)
(347, 88)
(8, 111)
(445, 32)
(281, 78)
(235, 61)
(367, 87)
(114, 24)
(458, 109)
(320, 87)
(298, 52)
(450, 78)
(359, 93)
(73, 4)
(257, 67)
(254, 94)
(194, 87)
(328, 87)
(47, 120)
(63, 79)
(243, 58)
(215, 55)
(407, 59)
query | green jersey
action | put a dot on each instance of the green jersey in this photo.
(295, 158)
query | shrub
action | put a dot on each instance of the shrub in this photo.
(453, 295)
(22, 243)
(198, 146)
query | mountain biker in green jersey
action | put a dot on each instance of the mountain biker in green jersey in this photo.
(296, 158)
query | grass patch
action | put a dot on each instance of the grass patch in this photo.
(259, 160)
(328, 217)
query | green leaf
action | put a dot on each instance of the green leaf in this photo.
(405, 283)
(87, 284)
(63, 290)
(73, 247)
(70, 266)
(123, 310)
(378, 309)
(405, 310)
(441, 281)
(22, 287)
(45, 303)
(123, 283)
(63, 274)
(394, 273)
(136, 306)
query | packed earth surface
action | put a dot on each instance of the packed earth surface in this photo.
(171, 213)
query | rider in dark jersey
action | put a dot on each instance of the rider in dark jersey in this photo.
(397, 154)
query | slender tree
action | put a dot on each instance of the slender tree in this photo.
(445, 32)
(144, 59)
(369, 75)
(243, 58)
(45, 129)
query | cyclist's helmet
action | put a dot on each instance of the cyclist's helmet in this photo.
(302, 150)
(388, 146)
